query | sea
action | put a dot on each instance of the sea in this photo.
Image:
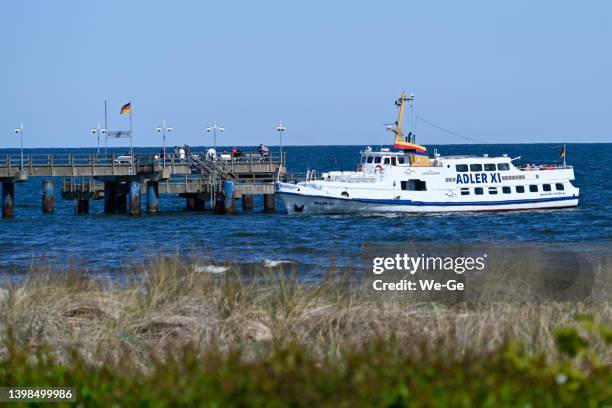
(107, 244)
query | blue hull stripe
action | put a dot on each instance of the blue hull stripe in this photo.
(444, 204)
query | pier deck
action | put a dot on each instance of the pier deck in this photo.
(121, 180)
(73, 189)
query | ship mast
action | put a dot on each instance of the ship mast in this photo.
(398, 130)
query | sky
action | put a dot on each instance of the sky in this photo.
(495, 71)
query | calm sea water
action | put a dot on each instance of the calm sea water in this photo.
(103, 243)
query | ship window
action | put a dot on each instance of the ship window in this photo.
(377, 160)
(490, 167)
(492, 190)
(478, 191)
(370, 159)
(387, 160)
(414, 185)
(559, 186)
(461, 168)
(546, 187)
(393, 161)
(363, 160)
(503, 166)
(533, 188)
(520, 189)
(465, 191)
(400, 160)
(506, 190)
(475, 167)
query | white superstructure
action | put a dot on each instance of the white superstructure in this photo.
(410, 181)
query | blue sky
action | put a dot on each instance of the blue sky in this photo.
(501, 72)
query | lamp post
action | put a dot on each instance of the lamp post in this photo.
(280, 129)
(98, 131)
(19, 131)
(214, 128)
(163, 129)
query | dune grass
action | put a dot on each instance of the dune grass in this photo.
(266, 338)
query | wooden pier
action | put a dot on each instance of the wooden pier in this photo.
(121, 180)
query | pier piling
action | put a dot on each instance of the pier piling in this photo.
(228, 192)
(190, 202)
(110, 193)
(152, 197)
(82, 206)
(48, 198)
(121, 198)
(269, 202)
(247, 202)
(8, 199)
(219, 203)
(133, 198)
(199, 204)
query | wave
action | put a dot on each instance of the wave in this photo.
(269, 263)
(210, 269)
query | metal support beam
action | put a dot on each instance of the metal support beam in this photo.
(133, 199)
(8, 199)
(269, 202)
(48, 198)
(152, 197)
(247, 202)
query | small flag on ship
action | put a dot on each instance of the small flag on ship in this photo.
(126, 109)
(563, 152)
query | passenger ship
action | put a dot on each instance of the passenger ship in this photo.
(408, 180)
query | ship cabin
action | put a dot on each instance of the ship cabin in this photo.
(372, 161)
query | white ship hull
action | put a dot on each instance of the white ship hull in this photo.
(312, 204)
(448, 184)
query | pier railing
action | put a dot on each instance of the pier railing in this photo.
(254, 162)
(534, 167)
(50, 160)
(91, 164)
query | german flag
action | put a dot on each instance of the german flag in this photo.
(126, 109)
(563, 152)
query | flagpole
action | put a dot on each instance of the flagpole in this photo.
(105, 127)
(131, 143)
(564, 154)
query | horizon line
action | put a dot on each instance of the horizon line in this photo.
(313, 145)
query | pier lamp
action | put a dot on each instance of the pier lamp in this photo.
(98, 131)
(214, 128)
(19, 131)
(280, 129)
(163, 129)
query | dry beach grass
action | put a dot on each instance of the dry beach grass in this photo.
(167, 304)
